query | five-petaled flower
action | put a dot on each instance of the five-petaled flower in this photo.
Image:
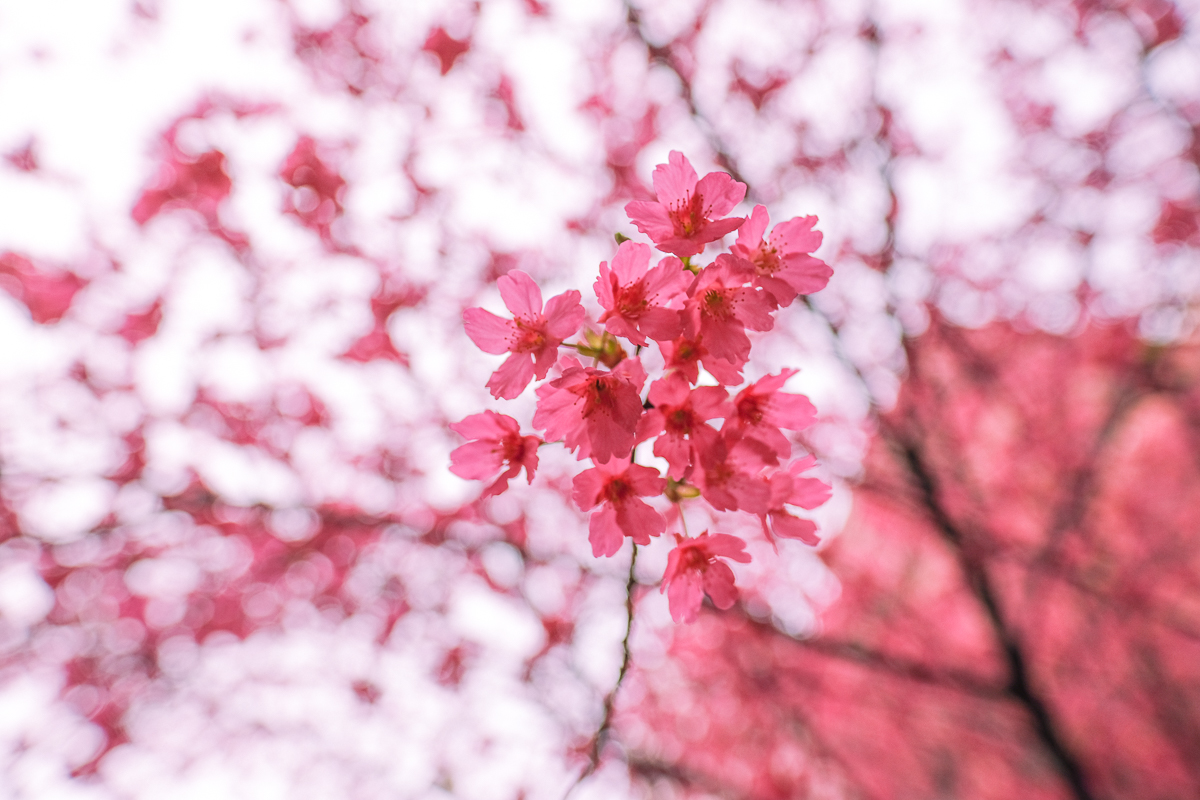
(593, 410)
(789, 488)
(679, 418)
(687, 214)
(618, 485)
(693, 571)
(636, 302)
(761, 409)
(783, 264)
(532, 336)
(499, 444)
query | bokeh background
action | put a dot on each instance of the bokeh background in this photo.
(236, 240)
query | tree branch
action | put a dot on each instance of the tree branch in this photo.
(977, 578)
(600, 738)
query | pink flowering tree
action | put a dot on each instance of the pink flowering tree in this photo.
(240, 557)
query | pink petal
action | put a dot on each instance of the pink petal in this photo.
(809, 493)
(721, 193)
(603, 532)
(750, 235)
(796, 236)
(650, 218)
(806, 274)
(490, 333)
(722, 227)
(675, 181)
(513, 376)
(684, 597)
(677, 452)
(725, 546)
(564, 315)
(603, 287)
(487, 424)
(639, 521)
(631, 262)
(661, 324)
(586, 488)
(718, 584)
(500, 485)
(520, 294)
(476, 461)
(788, 527)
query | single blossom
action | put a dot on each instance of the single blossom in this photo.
(787, 487)
(679, 418)
(499, 446)
(721, 308)
(729, 474)
(592, 410)
(618, 485)
(783, 266)
(687, 213)
(761, 409)
(687, 353)
(693, 571)
(637, 303)
(532, 336)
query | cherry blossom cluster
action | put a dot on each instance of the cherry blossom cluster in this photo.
(698, 317)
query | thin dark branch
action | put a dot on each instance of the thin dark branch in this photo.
(600, 738)
(977, 577)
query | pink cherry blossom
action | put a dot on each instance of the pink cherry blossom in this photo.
(685, 218)
(593, 410)
(729, 474)
(532, 336)
(721, 308)
(636, 302)
(499, 445)
(789, 488)
(693, 571)
(680, 414)
(687, 353)
(618, 485)
(761, 410)
(782, 264)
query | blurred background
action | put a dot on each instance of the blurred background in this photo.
(236, 241)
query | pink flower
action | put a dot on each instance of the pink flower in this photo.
(729, 474)
(593, 410)
(686, 354)
(636, 302)
(532, 336)
(782, 265)
(693, 571)
(618, 484)
(761, 410)
(679, 418)
(721, 308)
(788, 488)
(499, 445)
(685, 217)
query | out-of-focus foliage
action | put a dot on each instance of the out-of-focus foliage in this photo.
(1019, 613)
(236, 240)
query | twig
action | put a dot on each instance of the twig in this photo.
(603, 732)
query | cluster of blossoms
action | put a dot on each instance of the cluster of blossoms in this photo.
(698, 318)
